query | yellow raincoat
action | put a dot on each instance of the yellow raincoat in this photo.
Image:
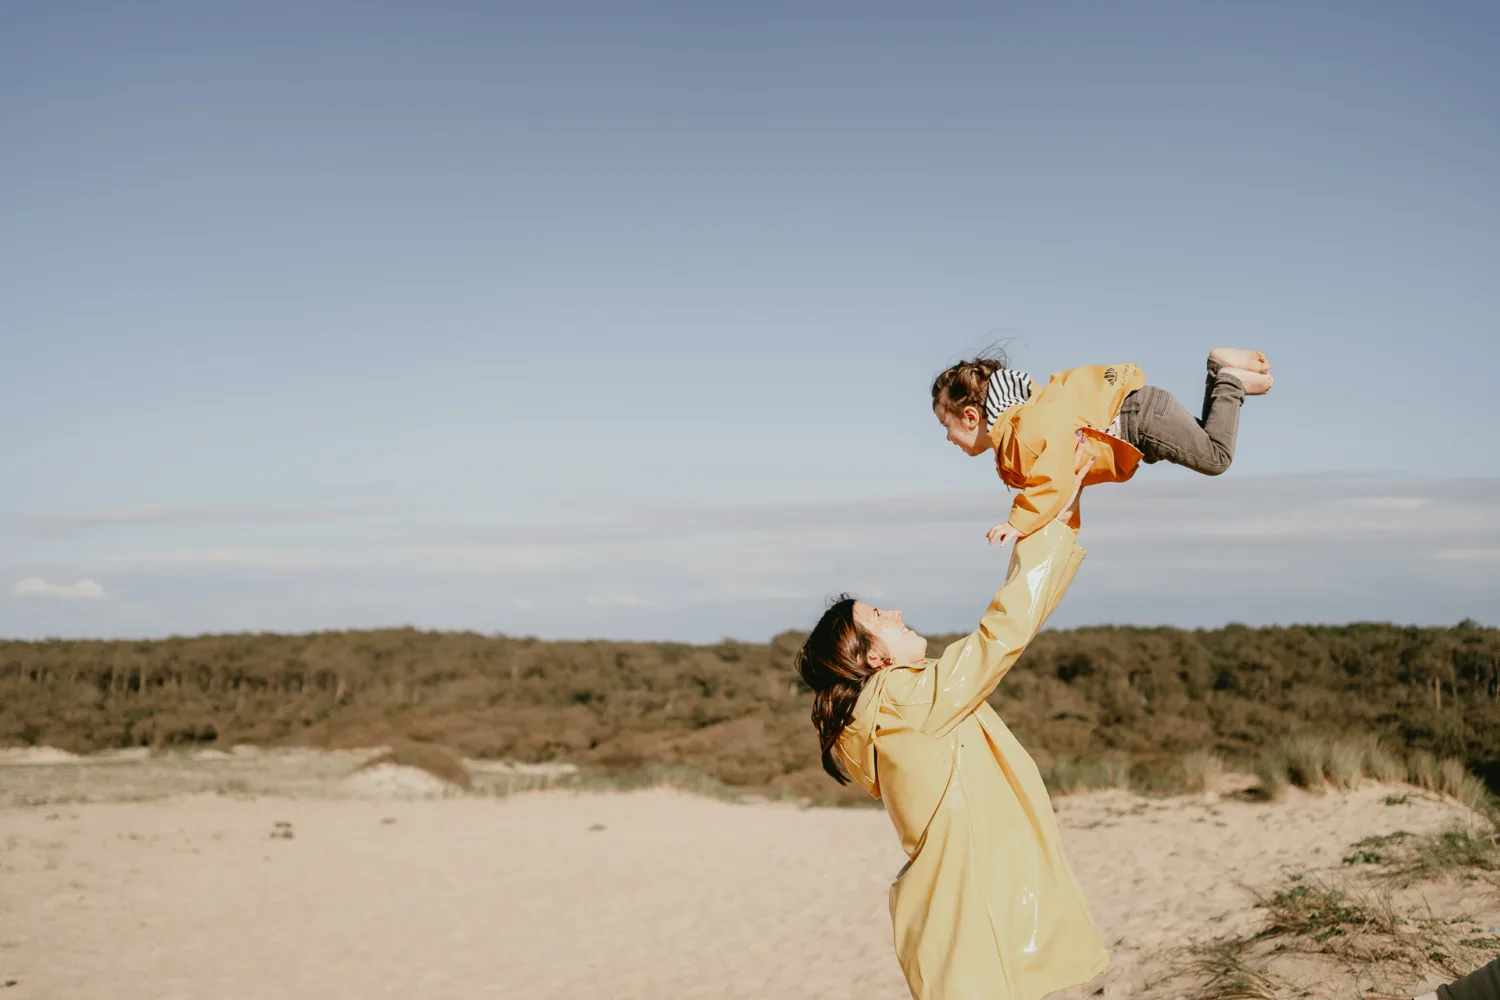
(1034, 440)
(987, 907)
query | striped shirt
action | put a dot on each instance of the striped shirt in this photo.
(1007, 388)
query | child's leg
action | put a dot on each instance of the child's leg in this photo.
(1155, 422)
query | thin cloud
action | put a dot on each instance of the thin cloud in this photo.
(35, 586)
(1395, 503)
(1470, 555)
(1284, 506)
(776, 548)
(234, 558)
(621, 599)
(128, 517)
(1177, 550)
(357, 556)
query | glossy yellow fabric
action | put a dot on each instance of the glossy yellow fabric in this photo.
(1034, 441)
(987, 906)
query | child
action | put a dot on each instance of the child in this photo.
(987, 406)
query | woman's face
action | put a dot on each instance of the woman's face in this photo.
(964, 429)
(890, 636)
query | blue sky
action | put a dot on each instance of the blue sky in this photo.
(617, 319)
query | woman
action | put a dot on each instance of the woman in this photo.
(986, 906)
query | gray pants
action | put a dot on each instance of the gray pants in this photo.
(1155, 422)
(1482, 984)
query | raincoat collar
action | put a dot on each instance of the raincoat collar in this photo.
(857, 743)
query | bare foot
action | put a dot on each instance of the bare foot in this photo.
(1238, 357)
(1255, 383)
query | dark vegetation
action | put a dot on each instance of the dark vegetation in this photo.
(737, 711)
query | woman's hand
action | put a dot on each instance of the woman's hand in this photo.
(1083, 462)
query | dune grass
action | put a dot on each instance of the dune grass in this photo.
(1275, 777)
(1367, 929)
(438, 761)
(1315, 764)
(1068, 774)
(1360, 928)
(1201, 770)
(1383, 764)
(1192, 773)
(1305, 757)
(1316, 910)
(1467, 853)
(677, 777)
(1224, 974)
(448, 766)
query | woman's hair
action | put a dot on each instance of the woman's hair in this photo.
(835, 663)
(966, 383)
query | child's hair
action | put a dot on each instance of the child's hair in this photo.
(966, 383)
(835, 663)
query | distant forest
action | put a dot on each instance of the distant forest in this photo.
(738, 711)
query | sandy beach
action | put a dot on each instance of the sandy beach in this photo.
(582, 896)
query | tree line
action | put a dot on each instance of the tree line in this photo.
(737, 710)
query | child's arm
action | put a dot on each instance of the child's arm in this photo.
(1048, 489)
(1051, 489)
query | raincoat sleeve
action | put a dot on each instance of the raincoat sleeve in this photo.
(1041, 567)
(1049, 484)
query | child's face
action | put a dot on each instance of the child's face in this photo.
(965, 429)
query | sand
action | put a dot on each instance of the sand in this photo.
(588, 896)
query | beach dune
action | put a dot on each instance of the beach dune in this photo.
(566, 895)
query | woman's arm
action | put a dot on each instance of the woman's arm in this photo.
(1041, 567)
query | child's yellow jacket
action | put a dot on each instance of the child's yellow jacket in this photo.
(1034, 441)
(987, 905)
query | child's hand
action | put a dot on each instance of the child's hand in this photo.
(1002, 533)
